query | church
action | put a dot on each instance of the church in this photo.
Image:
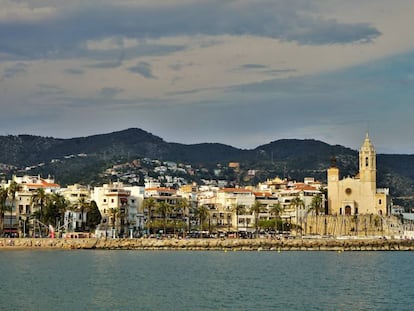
(359, 194)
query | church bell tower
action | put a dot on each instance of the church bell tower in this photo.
(367, 164)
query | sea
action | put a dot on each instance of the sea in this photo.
(205, 280)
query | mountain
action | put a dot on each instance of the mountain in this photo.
(293, 158)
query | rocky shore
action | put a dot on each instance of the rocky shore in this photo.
(339, 245)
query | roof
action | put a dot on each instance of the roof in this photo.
(235, 190)
(42, 184)
(160, 189)
(262, 194)
(304, 187)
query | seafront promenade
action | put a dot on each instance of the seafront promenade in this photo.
(297, 244)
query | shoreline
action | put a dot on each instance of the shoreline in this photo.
(298, 244)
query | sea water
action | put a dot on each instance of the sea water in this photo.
(205, 280)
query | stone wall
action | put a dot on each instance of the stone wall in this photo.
(352, 225)
(297, 244)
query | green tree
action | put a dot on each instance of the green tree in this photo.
(297, 203)
(164, 209)
(13, 188)
(39, 200)
(239, 209)
(182, 208)
(113, 215)
(94, 216)
(316, 206)
(256, 209)
(202, 213)
(276, 210)
(3, 207)
(149, 204)
(83, 207)
(55, 208)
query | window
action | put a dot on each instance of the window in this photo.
(366, 162)
(379, 201)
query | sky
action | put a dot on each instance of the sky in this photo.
(239, 72)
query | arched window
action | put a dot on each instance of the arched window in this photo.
(366, 161)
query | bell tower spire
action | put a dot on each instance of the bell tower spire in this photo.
(367, 163)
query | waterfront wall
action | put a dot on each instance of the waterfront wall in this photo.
(298, 244)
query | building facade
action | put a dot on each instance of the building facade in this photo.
(359, 194)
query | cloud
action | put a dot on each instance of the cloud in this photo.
(67, 31)
(14, 70)
(253, 66)
(74, 71)
(109, 92)
(49, 89)
(144, 69)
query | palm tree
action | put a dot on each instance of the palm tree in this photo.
(113, 214)
(316, 205)
(256, 209)
(276, 210)
(149, 204)
(83, 206)
(239, 209)
(297, 203)
(3, 206)
(13, 188)
(39, 200)
(182, 206)
(54, 209)
(202, 212)
(164, 209)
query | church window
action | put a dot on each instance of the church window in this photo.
(379, 202)
(366, 161)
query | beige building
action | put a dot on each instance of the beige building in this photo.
(359, 194)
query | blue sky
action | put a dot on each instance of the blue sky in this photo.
(238, 72)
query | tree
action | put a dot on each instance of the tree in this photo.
(113, 214)
(3, 206)
(256, 209)
(239, 209)
(54, 209)
(182, 206)
(94, 216)
(83, 206)
(39, 198)
(276, 210)
(297, 203)
(13, 188)
(202, 213)
(316, 206)
(149, 204)
(164, 209)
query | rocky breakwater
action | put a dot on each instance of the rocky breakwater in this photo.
(374, 244)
